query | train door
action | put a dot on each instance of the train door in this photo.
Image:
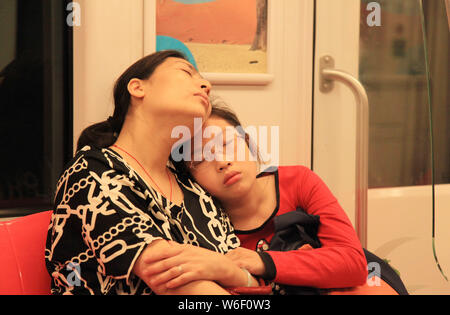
(381, 135)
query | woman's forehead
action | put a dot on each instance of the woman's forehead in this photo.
(174, 61)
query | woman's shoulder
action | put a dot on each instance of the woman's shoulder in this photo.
(93, 160)
(98, 169)
(87, 152)
(91, 152)
(99, 157)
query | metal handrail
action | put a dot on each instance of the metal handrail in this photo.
(327, 77)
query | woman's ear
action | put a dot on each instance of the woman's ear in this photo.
(136, 88)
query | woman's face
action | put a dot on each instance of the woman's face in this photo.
(227, 169)
(176, 89)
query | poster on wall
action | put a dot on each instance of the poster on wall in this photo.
(218, 36)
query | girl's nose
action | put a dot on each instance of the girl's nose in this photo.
(223, 165)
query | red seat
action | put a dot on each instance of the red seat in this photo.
(22, 250)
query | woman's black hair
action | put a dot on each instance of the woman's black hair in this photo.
(104, 134)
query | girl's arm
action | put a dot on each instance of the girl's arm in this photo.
(340, 262)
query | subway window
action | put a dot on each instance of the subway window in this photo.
(35, 103)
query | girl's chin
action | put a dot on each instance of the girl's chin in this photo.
(236, 191)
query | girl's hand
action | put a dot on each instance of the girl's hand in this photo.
(250, 259)
(181, 264)
(247, 259)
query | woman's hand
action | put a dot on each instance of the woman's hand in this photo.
(247, 259)
(180, 264)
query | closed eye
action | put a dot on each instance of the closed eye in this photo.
(188, 72)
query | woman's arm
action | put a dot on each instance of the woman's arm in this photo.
(172, 268)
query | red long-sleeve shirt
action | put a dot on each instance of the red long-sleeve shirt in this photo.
(339, 263)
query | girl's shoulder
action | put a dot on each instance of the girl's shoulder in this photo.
(290, 171)
(297, 177)
(296, 169)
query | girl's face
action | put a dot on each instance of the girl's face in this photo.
(226, 169)
(176, 89)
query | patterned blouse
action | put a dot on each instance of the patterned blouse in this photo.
(104, 216)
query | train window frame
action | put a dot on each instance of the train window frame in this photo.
(57, 102)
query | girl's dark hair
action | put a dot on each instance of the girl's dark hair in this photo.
(104, 134)
(220, 109)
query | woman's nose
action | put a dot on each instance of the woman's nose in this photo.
(206, 86)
